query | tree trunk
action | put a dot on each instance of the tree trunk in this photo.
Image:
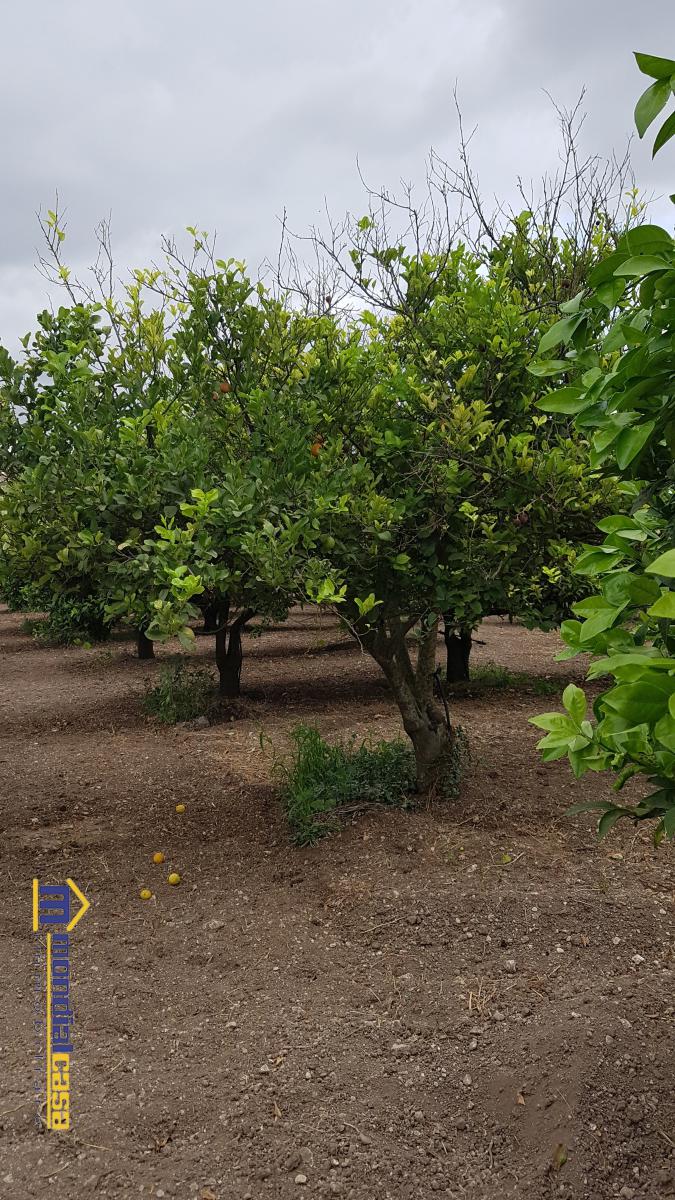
(212, 613)
(424, 722)
(229, 654)
(146, 647)
(458, 648)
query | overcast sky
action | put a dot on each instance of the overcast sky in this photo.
(222, 113)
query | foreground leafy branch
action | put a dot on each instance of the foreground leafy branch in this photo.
(622, 391)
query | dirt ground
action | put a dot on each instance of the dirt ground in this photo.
(450, 1001)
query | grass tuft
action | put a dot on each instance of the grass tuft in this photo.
(491, 676)
(319, 781)
(322, 782)
(181, 694)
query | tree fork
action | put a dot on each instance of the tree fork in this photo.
(229, 654)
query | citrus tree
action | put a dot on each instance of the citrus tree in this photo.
(97, 453)
(419, 487)
(150, 470)
(241, 354)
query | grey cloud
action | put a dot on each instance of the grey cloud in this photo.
(224, 113)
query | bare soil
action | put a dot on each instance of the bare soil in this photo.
(465, 1000)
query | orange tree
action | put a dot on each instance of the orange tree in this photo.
(142, 442)
(420, 492)
(95, 457)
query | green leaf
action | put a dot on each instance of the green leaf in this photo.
(560, 332)
(603, 620)
(627, 588)
(587, 806)
(593, 604)
(573, 305)
(609, 819)
(550, 754)
(616, 664)
(638, 703)
(664, 606)
(650, 104)
(617, 522)
(554, 722)
(634, 742)
(574, 701)
(568, 400)
(610, 292)
(664, 731)
(631, 441)
(548, 367)
(642, 264)
(665, 133)
(663, 565)
(644, 239)
(658, 68)
(565, 655)
(595, 562)
(365, 606)
(605, 269)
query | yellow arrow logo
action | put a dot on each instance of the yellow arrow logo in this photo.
(83, 901)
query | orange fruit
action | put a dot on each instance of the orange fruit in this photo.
(145, 894)
(180, 808)
(174, 878)
(225, 387)
(316, 449)
(158, 857)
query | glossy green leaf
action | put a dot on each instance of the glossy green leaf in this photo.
(548, 367)
(610, 292)
(556, 723)
(666, 132)
(664, 731)
(638, 702)
(641, 264)
(574, 701)
(594, 562)
(609, 819)
(631, 441)
(650, 104)
(663, 565)
(568, 400)
(560, 332)
(598, 623)
(664, 606)
(658, 68)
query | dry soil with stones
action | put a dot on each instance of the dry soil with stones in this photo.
(472, 999)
